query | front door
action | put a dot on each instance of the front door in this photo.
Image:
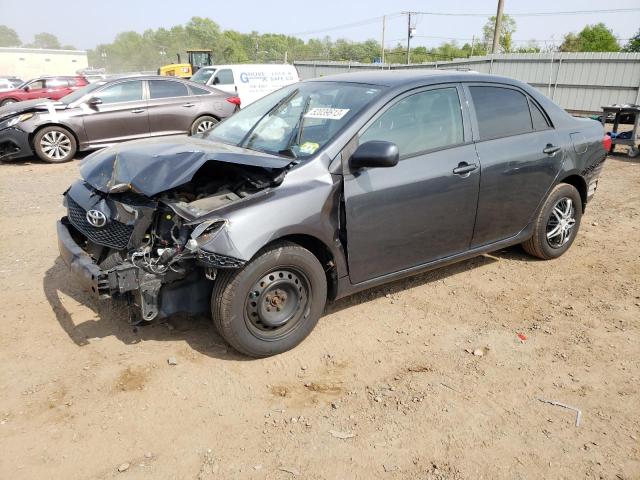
(224, 80)
(424, 208)
(121, 116)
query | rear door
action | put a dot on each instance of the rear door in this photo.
(121, 116)
(520, 157)
(420, 210)
(57, 88)
(171, 109)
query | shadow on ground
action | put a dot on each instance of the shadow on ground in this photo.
(112, 318)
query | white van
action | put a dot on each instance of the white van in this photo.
(249, 82)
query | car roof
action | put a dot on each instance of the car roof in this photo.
(405, 77)
(161, 77)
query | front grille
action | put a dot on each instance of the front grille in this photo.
(113, 234)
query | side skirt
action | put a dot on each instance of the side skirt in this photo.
(346, 288)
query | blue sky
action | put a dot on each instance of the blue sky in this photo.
(87, 23)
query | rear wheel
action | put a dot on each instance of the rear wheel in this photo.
(270, 305)
(54, 144)
(203, 124)
(557, 223)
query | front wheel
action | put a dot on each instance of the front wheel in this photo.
(270, 305)
(557, 223)
(8, 101)
(54, 144)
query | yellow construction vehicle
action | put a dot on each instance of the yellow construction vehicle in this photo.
(197, 59)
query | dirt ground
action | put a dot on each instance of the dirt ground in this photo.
(387, 386)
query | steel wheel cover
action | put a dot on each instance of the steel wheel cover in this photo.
(277, 303)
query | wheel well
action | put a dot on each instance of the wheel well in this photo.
(322, 253)
(579, 183)
(35, 132)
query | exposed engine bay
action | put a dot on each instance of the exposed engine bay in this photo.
(142, 244)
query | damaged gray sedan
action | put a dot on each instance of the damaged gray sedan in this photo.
(325, 188)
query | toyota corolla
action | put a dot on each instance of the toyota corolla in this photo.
(324, 188)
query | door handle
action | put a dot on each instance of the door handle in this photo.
(464, 168)
(138, 110)
(189, 105)
(550, 149)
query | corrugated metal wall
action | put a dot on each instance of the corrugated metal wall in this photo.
(580, 82)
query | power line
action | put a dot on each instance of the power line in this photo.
(378, 19)
(533, 14)
(360, 23)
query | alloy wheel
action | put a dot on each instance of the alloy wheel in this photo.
(560, 223)
(55, 145)
(205, 126)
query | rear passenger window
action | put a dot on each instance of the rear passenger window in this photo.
(500, 112)
(537, 117)
(420, 122)
(166, 89)
(199, 91)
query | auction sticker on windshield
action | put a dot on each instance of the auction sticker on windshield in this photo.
(327, 113)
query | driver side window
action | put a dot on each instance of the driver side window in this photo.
(121, 92)
(420, 122)
(224, 77)
(37, 85)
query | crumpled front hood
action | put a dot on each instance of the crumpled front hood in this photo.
(37, 105)
(152, 166)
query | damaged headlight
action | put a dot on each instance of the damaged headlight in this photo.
(16, 120)
(204, 233)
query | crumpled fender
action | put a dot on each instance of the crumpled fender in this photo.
(151, 166)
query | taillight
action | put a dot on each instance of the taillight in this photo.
(606, 143)
(234, 100)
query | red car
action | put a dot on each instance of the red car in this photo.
(53, 88)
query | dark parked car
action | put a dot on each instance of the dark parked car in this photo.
(324, 188)
(109, 112)
(52, 88)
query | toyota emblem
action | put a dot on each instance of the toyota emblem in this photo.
(96, 218)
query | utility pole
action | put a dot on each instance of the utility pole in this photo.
(498, 27)
(408, 35)
(410, 32)
(384, 24)
(473, 44)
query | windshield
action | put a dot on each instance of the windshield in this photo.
(203, 75)
(296, 121)
(81, 92)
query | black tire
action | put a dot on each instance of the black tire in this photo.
(204, 123)
(7, 101)
(54, 144)
(241, 300)
(552, 237)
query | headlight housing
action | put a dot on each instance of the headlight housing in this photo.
(17, 119)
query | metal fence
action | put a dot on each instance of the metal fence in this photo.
(579, 82)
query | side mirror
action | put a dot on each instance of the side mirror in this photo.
(27, 88)
(375, 154)
(216, 81)
(93, 102)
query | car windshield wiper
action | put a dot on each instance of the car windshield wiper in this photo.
(296, 134)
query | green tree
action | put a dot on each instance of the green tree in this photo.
(592, 38)
(9, 37)
(633, 45)
(45, 40)
(507, 29)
